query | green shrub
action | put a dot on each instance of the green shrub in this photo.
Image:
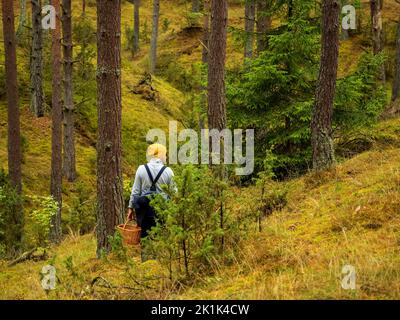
(165, 25)
(193, 19)
(130, 35)
(117, 247)
(41, 216)
(194, 228)
(11, 217)
(82, 217)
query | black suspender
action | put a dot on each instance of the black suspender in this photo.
(154, 181)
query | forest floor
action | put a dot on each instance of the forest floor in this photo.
(348, 216)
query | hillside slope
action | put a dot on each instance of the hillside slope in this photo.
(350, 216)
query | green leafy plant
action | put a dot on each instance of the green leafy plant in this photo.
(117, 246)
(46, 208)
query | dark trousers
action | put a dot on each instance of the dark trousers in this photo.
(145, 216)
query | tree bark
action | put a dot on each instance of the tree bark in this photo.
(69, 165)
(216, 65)
(250, 10)
(14, 135)
(36, 67)
(56, 139)
(136, 27)
(109, 172)
(396, 80)
(196, 6)
(377, 32)
(22, 18)
(263, 24)
(83, 7)
(154, 36)
(321, 125)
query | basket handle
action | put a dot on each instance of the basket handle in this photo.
(127, 220)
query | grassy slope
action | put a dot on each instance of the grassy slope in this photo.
(349, 216)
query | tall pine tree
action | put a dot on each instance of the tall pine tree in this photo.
(56, 137)
(321, 126)
(109, 171)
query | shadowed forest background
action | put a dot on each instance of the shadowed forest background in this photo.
(284, 232)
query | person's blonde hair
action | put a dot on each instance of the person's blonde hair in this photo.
(157, 150)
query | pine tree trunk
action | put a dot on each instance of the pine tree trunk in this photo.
(136, 27)
(109, 172)
(321, 126)
(14, 135)
(263, 24)
(196, 6)
(216, 84)
(83, 7)
(377, 32)
(396, 80)
(154, 36)
(216, 65)
(56, 143)
(69, 165)
(206, 30)
(36, 67)
(22, 18)
(250, 10)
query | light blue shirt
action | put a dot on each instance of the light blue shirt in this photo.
(142, 182)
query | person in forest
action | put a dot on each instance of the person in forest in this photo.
(148, 181)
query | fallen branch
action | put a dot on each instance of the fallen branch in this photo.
(29, 255)
(108, 285)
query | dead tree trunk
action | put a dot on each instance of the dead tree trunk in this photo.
(206, 30)
(154, 36)
(321, 125)
(196, 6)
(109, 172)
(263, 24)
(56, 139)
(377, 32)
(250, 10)
(136, 26)
(22, 18)
(204, 59)
(69, 165)
(36, 67)
(396, 80)
(14, 135)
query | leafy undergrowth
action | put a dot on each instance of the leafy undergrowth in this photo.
(347, 216)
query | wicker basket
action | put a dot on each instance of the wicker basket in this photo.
(130, 234)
